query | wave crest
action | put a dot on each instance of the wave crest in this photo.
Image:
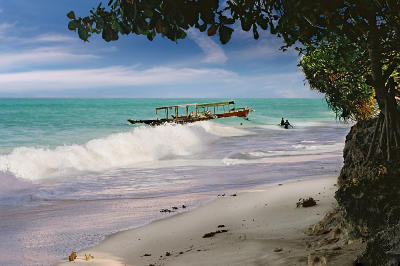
(141, 144)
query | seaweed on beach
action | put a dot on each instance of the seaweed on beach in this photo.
(211, 234)
(306, 202)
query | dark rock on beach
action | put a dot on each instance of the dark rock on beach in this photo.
(369, 197)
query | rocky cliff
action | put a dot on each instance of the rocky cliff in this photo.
(369, 197)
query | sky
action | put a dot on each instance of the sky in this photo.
(40, 57)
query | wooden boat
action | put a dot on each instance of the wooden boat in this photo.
(195, 112)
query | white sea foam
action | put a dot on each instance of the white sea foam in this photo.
(264, 156)
(318, 148)
(277, 160)
(140, 145)
(221, 130)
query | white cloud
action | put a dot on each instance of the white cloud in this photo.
(164, 81)
(49, 38)
(260, 49)
(3, 28)
(266, 46)
(56, 54)
(214, 53)
(282, 85)
(110, 77)
(7, 35)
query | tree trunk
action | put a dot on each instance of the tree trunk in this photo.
(384, 92)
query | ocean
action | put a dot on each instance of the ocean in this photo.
(73, 171)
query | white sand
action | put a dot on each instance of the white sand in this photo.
(257, 223)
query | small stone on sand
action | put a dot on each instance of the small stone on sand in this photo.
(73, 256)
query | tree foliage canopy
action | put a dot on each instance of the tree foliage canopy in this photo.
(339, 70)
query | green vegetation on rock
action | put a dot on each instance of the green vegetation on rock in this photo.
(330, 69)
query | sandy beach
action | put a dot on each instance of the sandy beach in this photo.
(263, 227)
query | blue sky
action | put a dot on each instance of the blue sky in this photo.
(40, 57)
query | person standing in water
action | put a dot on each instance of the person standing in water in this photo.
(282, 122)
(287, 124)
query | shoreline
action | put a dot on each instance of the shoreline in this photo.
(261, 227)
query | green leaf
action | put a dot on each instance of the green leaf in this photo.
(225, 34)
(73, 25)
(246, 24)
(255, 32)
(151, 35)
(83, 33)
(124, 28)
(115, 26)
(71, 15)
(263, 22)
(109, 34)
(182, 35)
(203, 27)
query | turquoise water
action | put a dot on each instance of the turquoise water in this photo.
(53, 122)
(74, 171)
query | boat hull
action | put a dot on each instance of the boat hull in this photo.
(191, 119)
(241, 113)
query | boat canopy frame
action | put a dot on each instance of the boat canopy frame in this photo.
(200, 108)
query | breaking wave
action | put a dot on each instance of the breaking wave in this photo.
(141, 144)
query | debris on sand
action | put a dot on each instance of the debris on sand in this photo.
(221, 225)
(147, 255)
(73, 256)
(278, 249)
(165, 210)
(306, 202)
(211, 234)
